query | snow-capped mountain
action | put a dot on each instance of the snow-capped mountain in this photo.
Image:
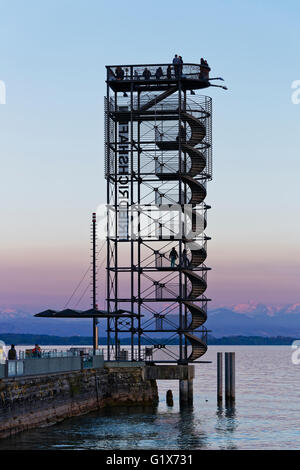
(249, 319)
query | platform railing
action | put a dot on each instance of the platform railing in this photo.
(150, 72)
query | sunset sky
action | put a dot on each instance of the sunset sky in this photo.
(52, 60)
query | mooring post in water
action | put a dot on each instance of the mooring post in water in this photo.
(227, 376)
(230, 376)
(169, 398)
(219, 377)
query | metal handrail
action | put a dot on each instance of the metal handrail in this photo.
(131, 72)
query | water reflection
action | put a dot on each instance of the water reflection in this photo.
(227, 423)
(190, 434)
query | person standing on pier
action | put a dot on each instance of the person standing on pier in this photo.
(12, 353)
(36, 352)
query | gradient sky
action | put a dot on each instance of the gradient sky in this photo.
(52, 58)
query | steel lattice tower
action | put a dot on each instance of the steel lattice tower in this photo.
(158, 160)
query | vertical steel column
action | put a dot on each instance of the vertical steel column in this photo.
(139, 306)
(94, 285)
(108, 219)
(180, 225)
(184, 229)
(132, 243)
(117, 215)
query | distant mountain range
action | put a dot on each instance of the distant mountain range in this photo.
(255, 320)
(47, 340)
(237, 320)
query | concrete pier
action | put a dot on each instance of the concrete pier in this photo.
(28, 402)
(184, 373)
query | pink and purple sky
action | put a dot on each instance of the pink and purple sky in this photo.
(51, 147)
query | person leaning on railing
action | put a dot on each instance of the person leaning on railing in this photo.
(36, 352)
(204, 70)
(169, 72)
(176, 65)
(119, 73)
(12, 353)
(180, 65)
(146, 74)
(158, 73)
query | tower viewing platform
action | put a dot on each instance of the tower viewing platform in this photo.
(157, 77)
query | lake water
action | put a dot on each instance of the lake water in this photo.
(265, 415)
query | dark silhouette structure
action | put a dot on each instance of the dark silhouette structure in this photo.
(158, 160)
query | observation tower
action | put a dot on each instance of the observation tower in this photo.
(158, 161)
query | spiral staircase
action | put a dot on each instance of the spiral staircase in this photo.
(197, 196)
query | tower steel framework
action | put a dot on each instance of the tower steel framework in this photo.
(158, 160)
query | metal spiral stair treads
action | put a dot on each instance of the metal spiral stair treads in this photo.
(199, 315)
(199, 348)
(199, 284)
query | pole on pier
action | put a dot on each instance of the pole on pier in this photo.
(219, 377)
(94, 284)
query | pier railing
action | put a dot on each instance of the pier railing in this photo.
(51, 361)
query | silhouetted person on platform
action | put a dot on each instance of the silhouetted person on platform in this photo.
(158, 73)
(176, 65)
(146, 74)
(173, 257)
(12, 353)
(180, 65)
(111, 75)
(169, 72)
(204, 69)
(119, 73)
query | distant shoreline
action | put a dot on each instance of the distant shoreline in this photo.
(49, 340)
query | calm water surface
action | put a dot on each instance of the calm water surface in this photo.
(266, 414)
